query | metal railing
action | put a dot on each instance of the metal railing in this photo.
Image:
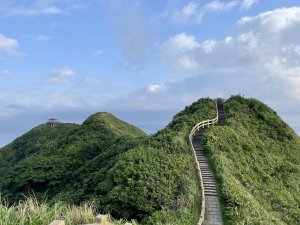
(196, 128)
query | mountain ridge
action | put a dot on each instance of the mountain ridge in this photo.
(122, 169)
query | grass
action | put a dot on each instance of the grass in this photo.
(34, 212)
(256, 158)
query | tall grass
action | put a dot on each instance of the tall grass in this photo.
(32, 212)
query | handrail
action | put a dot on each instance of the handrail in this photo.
(196, 128)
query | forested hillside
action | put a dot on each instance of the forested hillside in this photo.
(59, 161)
(127, 173)
(256, 158)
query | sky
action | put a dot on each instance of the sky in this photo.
(143, 61)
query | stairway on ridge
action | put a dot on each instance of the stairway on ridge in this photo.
(213, 215)
(221, 112)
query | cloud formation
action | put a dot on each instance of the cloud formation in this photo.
(42, 38)
(8, 46)
(247, 4)
(38, 7)
(195, 11)
(266, 44)
(260, 60)
(60, 76)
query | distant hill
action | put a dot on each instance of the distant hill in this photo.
(57, 160)
(256, 158)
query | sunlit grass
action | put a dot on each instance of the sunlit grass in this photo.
(34, 212)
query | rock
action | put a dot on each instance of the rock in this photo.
(58, 222)
(102, 219)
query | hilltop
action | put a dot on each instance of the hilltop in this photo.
(57, 160)
(256, 158)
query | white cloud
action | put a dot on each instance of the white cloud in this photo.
(178, 51)
(190, 9)
(181, 42)
(8, 45)
(42, 38)
(247, 4)
(217, 5)
(273, 21)
(91, 80)
(188, 63)
(60, 76)
(155, 88)
(262, 56)
(23, 11)
(39, 7)
(209, 46)
(194, 11)
(3, 73)
(249, 40)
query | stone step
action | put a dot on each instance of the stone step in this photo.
(206, 181)
(207, 174)
(199, 150)
(211, 194)
(207, 169)
(201, 160)
(213, 188)
(209, 185)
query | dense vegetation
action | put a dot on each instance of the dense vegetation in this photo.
(105, 160)
(61, 160)
(257, 164)
(255, 157)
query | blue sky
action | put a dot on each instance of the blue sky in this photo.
(143, 60)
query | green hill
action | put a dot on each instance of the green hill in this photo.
(256, 158)
(127, 173)
(59, 160)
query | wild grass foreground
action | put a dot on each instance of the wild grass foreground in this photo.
(34, 212)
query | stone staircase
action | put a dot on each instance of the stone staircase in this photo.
(213, 213)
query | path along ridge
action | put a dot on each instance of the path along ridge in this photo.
(212, 212)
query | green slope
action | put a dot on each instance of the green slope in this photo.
(59, 160)
(157, 182)
(128, 174)
(256, 158)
